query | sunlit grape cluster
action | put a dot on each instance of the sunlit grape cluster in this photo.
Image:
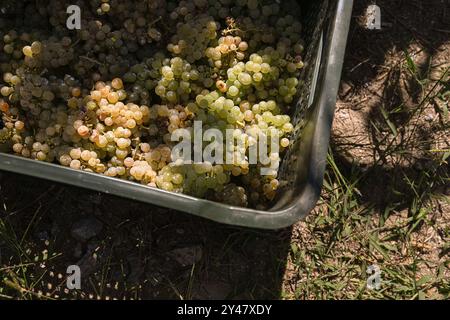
(107, 98)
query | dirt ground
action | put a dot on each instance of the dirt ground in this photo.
(389, 133)
(386, 202)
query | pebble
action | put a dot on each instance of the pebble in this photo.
(429, 117)
(86, 229)
(187, 256)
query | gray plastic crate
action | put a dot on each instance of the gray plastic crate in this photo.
(326, 25)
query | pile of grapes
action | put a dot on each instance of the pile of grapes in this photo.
(107, 97)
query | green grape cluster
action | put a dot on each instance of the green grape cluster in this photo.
(193, 37)
(107, 98)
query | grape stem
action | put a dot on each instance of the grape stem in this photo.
(91, 60)
(154, 21)
(75, 43)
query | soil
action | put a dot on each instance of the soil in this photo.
(140, 251)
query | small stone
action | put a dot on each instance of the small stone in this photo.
(344, 89)
(187, 256)
(86, 229)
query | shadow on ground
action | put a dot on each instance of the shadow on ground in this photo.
(133, 250)
(388, 125)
